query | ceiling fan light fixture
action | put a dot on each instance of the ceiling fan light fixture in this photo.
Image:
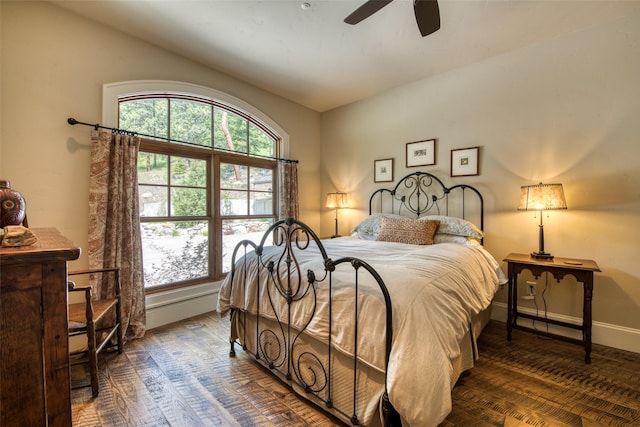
(427, 14)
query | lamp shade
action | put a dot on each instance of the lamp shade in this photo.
(337, 200)
(542, 197)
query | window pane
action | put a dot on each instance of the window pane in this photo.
(174, 251)
(261, 203)
(261, 179)
(154, 200)
(191, 122)
(233, 176)
(230, 131)
(189, 172)
(147, 116)
(233, 231)
(233, 203)
(152, 168)
(188, 201)
(262, 186)
(260, 143)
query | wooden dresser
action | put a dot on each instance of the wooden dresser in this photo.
(34, 347)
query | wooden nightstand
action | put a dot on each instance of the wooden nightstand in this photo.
(581, 269)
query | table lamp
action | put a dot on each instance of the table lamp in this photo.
(337, 201)
(542, 197)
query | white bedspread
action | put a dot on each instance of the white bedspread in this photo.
(435, 290)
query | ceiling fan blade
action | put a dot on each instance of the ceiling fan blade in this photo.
(427, 16)
(366, 10)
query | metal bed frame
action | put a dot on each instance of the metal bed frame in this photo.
(277, 347)
(421, 193)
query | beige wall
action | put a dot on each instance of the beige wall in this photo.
(54, 64)
(561, 111)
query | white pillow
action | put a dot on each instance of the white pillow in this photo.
(370, 226)
(460, 240)
(456, 226)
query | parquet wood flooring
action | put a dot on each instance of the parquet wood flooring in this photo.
(181, 375)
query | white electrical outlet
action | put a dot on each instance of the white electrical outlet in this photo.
(531, 288)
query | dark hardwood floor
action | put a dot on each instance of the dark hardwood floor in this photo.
(181, 375)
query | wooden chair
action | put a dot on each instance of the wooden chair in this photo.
(99, 319)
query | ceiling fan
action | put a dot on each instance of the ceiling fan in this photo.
(426, 11)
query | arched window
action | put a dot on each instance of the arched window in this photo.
(206, 178)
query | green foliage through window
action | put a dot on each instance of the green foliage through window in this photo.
(197, 122)
(180, 226)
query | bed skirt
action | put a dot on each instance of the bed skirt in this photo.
(311, 358)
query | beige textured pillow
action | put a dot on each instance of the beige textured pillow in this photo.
(407, 230)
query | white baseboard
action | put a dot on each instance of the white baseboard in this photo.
(179, 304)
(607, 334)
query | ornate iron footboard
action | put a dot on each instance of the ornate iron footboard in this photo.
(278, 347)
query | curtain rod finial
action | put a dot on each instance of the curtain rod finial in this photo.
(72, 121)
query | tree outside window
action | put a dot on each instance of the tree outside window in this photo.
(206, 177)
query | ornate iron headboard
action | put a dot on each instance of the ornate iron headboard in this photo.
(421, 193)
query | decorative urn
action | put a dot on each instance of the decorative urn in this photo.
(13, 208)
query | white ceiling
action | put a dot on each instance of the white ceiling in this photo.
(312, 57)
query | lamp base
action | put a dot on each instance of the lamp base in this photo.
(541, 255)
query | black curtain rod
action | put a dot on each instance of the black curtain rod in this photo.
(97, 126)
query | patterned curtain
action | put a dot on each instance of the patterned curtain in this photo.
(114, 223)
(288, 189)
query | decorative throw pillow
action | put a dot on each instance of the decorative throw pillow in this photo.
(407, 230)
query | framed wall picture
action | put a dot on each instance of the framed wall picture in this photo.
(421, 153)
(464, 161)
(383, 170)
